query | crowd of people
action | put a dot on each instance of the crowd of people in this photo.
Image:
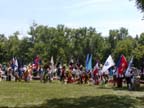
(73, 73)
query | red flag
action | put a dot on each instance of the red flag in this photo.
(36, 61)
(122, 65)
(95, 70)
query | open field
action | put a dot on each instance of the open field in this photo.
(57, 95)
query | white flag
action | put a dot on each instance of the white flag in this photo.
(16, 63)
(52, 64)
(52, 61)
(108, 63)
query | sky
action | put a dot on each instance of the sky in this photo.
(18, 15)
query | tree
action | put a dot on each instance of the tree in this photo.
(113, 37)
(13, 45)
(125, 47)
(3, 48)
(139, 56)
(64, 43)
(140, 4)
(141, 39)
(25, 53)
(123, 33)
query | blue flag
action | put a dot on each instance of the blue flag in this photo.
(89, 63)
(118, 62)
(87, 60)
(127, 73)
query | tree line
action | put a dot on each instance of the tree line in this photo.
(65, 43)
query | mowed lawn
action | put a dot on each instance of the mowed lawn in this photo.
(58, 95)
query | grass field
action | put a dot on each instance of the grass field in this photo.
(58, 95)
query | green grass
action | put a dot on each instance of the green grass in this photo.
(57, 95)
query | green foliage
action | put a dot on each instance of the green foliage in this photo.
(140, 4)
(141, 39)
(125, 47)
(139, 56)
(64, 43)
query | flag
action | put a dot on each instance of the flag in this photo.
(87, 60)
(108, 63)
(96, 68)
(122, 65)
(14, 63)
(36, 60)
(89, 63)
(52, 64)
(13, 60)
(71, 61)
(127, 73)
(52, 61)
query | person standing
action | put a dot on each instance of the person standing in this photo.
(114, 76)
(8, 72)
(128, 77)
(1, 72)
(41, 73)
(45, 75)
(63, 74)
